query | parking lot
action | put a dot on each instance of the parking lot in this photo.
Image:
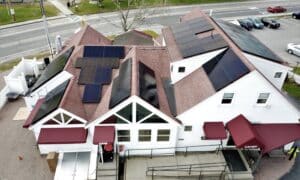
(277, 39)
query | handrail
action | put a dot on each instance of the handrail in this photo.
(190, 168)
(127, 151)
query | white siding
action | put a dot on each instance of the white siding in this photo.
(276, 110)
(269, 69)
(191, 64)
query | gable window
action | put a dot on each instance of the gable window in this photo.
(145, 135)
(181, 69)
(278, 75)
(263, 98)
(123, 135)
(227, 98)
(163, 135)
(188, 128)
(126, 112)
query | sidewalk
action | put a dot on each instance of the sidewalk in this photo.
(61, 7)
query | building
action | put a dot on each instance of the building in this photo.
(205, 77)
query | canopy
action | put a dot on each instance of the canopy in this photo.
(62, 136)
(265, 136)
(104, 134)
(214, 130)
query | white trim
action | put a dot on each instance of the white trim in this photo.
(145, 118)
(73, 115)
(110, 113)
(42, 121)
(121, 117)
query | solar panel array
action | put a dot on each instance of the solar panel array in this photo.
(147, 85)
(121, 88)
(247, 42)
(104, 51)
(96, 69)
(224, 69)
(185, 34)
(55, 67)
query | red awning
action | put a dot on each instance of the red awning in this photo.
(104, 134)
(214, 130)
(62, 136)
(33, 113)
(265, 136)
(242, 132)
(277, 135)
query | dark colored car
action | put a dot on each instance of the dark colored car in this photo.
(276, 9)
(296, 15)
(11, 96)
(271, 23)
(246, 24)
(256, 23)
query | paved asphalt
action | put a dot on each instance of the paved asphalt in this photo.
(294, 173)
(30, 38)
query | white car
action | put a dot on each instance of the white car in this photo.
(293, 48)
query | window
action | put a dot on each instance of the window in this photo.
(141, 112)
(123, 135)
(262, 98)
(126, 112)
(154, 119)
(145, 135)
(278, 75)
(188, 128)
(181, 69)
(227, 98)
(163, 135)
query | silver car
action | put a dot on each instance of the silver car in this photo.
(293, 48)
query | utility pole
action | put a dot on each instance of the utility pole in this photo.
(46, 27)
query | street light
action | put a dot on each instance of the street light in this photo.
(46, 27)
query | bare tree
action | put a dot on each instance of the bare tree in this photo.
(131, 18)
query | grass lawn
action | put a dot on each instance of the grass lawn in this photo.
(25, 12)
(84, 7)
(292, 89)
(296, 70)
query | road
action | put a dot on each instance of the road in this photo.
(30, 38)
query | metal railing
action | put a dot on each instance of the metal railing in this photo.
(198, 170)
(184, 149)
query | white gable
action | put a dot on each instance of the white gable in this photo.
(191, 64)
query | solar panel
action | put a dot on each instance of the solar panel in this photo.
(121, 88)
(189, 44)
(104, 51)
(103, 75)
(224, 69)
(247, 42)
(55, 67)
(52, 101)
(92, 93)
(112, 62)
(147, 85)
(87, 75)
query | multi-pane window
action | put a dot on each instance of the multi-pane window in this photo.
(188, 128)
(263, 98)
(227, 98)
(123, 135)
(163, 135)
(278, 75)
(181, 69)
(145, 135)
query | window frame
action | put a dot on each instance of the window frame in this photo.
(262, 101)
(186, 127)
(123, 136)
(144, 135)
(181, 69)
(227, 99)
(277, 76)
(163, 135)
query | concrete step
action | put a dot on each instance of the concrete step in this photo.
(106, 178)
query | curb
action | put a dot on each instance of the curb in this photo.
(258, 16)
(30, 22)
